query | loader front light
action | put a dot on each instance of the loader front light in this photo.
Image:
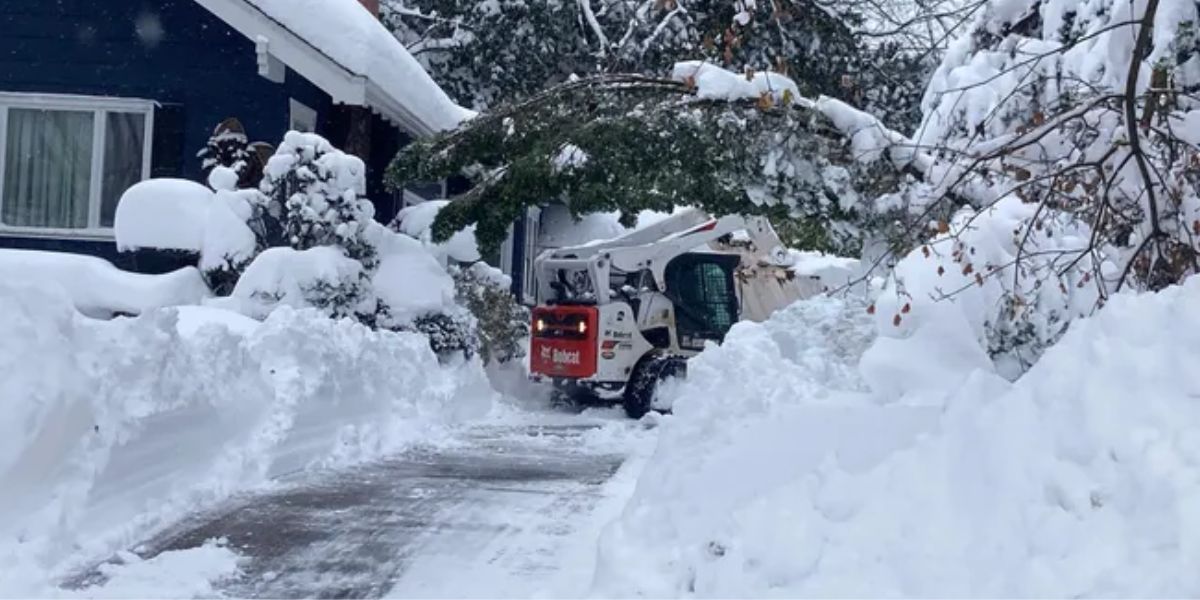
(539, 325)
(582, 327)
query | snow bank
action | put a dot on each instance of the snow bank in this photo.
(779, 404)
(167, 214)
(96, 287)
(355, 39)
(114, 427)
(1080, 479)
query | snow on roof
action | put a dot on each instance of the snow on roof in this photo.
(344, 49)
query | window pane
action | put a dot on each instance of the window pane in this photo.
(47, 168)
(122, 160)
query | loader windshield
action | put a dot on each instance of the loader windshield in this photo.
(702, 287)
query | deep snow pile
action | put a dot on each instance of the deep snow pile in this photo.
(112, 427)
(1080, 479)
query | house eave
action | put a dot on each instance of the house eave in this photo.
(343, 85)
(394, 111)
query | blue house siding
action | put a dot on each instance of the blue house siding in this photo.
(178, 54)
(198, 66)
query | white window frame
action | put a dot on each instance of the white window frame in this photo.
(533, 234)
(99, 106)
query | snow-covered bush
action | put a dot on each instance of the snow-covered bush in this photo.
(318, 187)
(1003, 273)
(229, 242)
(314, 189)
(503, 323)
(323, 278)
(450, 333)
(229, 147)
(306, 239)
(162, 214)
(498, 323)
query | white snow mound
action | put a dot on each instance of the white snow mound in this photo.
(1081, 479)
(98, 288)
(166, 214)
(114, 427)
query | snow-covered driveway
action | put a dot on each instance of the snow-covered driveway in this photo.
(503, 510)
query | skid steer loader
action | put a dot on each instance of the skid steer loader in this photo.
(616, 317)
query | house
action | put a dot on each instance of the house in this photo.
(96, 95)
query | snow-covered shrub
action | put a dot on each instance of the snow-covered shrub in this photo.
(503, 323)
(163, 214)
(229, 147)
(499, 322)
(314, 188)
(306, 239)
(322, 277)
(229, 242)
(450, 333)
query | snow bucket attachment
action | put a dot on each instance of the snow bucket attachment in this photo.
(564, 341)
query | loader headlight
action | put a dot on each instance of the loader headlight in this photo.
(582, 327)
(539, 325)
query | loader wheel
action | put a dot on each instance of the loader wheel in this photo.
(639, 392)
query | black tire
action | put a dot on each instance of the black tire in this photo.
(638, 398)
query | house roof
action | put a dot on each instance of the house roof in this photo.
(344, 49)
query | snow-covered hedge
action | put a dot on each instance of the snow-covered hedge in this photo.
(165, 214)
(113, 427)
(306, 239)
(778, 476)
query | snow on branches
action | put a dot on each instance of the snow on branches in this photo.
(490, 53)
(1066, 130)
(653, 144)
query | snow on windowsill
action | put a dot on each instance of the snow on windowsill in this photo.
(103, 234)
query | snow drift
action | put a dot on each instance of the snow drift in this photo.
(113, 427)
(1080, 479)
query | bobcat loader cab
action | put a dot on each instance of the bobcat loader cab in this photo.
(616, 317)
